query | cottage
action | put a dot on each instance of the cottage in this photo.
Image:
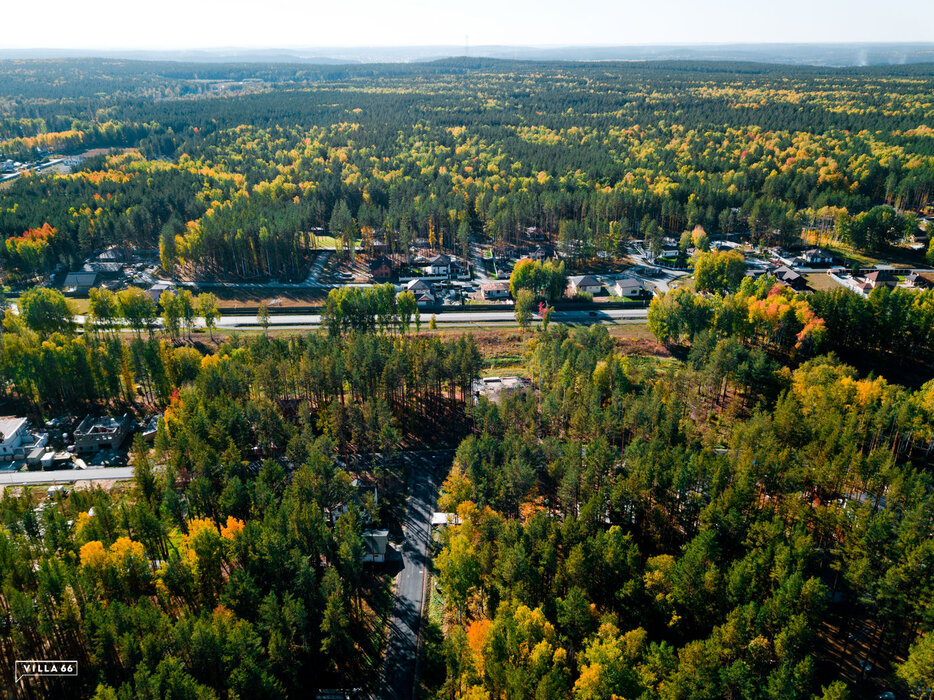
(494, 291)
(423, 291)
(817, 256)
(375, 544)
(584, 283)
(12, 435)
(787, 277)
(155, 291)
(95, 434)
(113, 254)
(380, 268)
(629, 287)
(918, 281)
(80, 282)
(880, 278)
(438, 266)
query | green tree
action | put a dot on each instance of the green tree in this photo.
(262, 316)
(719, 271)
(525, 306)
(46, 311)
(207, 307)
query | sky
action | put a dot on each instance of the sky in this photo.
(188, 24)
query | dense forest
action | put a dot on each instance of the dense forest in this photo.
(724, 527)
(236, 182)
(742, 509)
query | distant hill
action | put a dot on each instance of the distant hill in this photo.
(837, 55)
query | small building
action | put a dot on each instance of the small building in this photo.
(106, 433)
(113, 254)
(495, 388)
(12, 435)
(629, 287)
(35, 456)
(918, 281)
(584, 284)
(155, 291)
(438, 266)
(880, 278)
(817, 256)
(380, 268)
(81, 281)
(534, 233)
(375, 544)
(494, 291)
(787, 277)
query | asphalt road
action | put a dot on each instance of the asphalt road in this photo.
(61, 476)
(400, 665)
(457, 318)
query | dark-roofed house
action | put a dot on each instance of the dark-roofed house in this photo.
(627, 287)
(584, 283)
(424, 294)
(80, 281)
(438, 266)
(919, 281)
(789, 278)
(880, 278)
(380, 268)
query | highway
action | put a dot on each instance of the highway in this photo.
(447, 318)
(399, 669)
(61, 476)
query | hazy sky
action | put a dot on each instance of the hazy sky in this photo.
(172, 24)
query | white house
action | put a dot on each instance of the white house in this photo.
(584, 283)
(627, 287)
(438, 266)
(817, 256)
(494, 291)
(12, 434)
(424, 294)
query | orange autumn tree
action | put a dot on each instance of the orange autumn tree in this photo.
(31, 251)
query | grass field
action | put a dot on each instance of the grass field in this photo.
(821, 281)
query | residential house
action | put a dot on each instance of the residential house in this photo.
(113, 254)
(817, 256)
(787, 277)
(375, 544)
(494, 291)
(534, 233)
(155, 291)
(80, 282)
(12, 435)
(423, 291)
(95, 434)
(380, 268)
(584, 283)
(629, 287)
(438, 266)
(880, 278)
(917, 280)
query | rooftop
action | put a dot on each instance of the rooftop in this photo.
(9, 425)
